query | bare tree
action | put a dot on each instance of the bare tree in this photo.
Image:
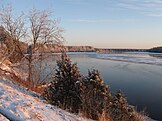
(43, 30)
(38, 28)
(14, 31)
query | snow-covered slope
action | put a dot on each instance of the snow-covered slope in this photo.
(28, 107)
(2, 118)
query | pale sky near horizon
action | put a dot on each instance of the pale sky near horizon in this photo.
(103, 23)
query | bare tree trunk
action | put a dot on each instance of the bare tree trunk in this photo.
(29, 59)
(30, 69)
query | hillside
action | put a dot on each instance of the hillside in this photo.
(28, 107)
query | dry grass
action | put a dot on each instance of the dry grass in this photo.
(104, 117)
(16, 79)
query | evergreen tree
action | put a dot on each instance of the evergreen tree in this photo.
(64, 90)
(94, 95)
(120, 109)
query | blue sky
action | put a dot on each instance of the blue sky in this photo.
(104, 23)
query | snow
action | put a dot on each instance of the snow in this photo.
(2, 118)
(4, 67)
(21, 103)
(145, 58)
(9, 115)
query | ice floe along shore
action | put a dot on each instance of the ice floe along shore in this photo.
(145, 58)
(28, 107)
(134, 57)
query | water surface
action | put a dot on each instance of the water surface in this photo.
(141, 83)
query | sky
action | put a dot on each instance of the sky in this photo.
(103, 23)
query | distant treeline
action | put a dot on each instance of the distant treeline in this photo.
(155, 49)
(119, 50)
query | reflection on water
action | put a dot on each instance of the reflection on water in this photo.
(141, 83)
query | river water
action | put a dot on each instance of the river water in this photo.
(138, 75)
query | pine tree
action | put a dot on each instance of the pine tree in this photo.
(94, 95)
(120, 109)
(64, 90)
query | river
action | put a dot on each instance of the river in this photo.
(138, 75)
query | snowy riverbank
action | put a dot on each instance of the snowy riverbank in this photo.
(29, 107)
